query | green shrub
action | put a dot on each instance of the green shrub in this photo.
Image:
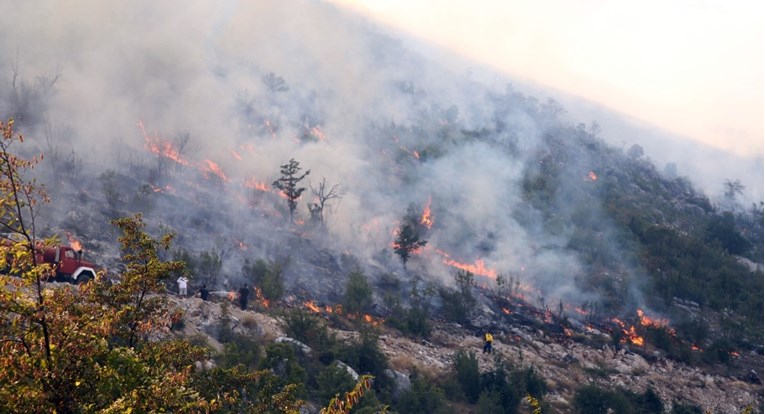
(490, 402)
(681, 408)
(465, 367)
(422, 397)
(333, 380)
(358, 293)
(593, 400)
(268, 276)
(309, 329)
(365, 356)
(240, 350)
(458, 305)
(414, 320)
(281, 360)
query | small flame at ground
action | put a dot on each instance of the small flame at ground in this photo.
(262, 300)
(257, 185)
(477, 268)
(160, 147)
(427, 216)
(591, 176)
(312, 306)
(213, 168)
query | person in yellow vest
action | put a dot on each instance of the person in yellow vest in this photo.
(488, 338)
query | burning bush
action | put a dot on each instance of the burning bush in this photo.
(268, 276)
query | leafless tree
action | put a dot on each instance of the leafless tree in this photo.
(25, 100)
(733, 188)
(324, 194)
(275, 83)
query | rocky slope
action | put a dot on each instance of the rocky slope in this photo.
(565, 363)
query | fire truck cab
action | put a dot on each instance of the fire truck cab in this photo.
(67, 262)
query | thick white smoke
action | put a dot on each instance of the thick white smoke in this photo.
(254, 84)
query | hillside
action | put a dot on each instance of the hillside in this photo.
(566, 363)
(320, 160)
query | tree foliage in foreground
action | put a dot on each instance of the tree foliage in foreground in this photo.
(95, 347)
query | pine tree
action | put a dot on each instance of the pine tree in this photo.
(407, 241)
(288, 184)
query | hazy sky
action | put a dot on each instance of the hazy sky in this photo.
(693, 67)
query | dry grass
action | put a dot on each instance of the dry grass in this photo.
(249, 321)
(406, 363)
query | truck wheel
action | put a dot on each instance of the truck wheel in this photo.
(84, 277)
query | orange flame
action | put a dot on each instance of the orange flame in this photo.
(506, 311)
(316, 132)
(263, 301)
(581, 311)
(161, 148)
(634, 337)
(231, 296)
(427, 216)
(695, 347)
(235, 154)
(654, 323)
(591, 176)
(76, 245)
(213, 168)
(312, 306)
(478, 268)
(257, 185)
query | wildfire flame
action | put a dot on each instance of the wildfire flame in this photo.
(259, 296)
(76, 245)
(257, 185)
(211, 167)
(591, 176)
(477, 268)
(427, 216)
(160, 147)
(338, 310)
(231, 296)
(236, 155)
(312, 306)
(644, 321)
(634, 337)
(316, 132)
(506, 311)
